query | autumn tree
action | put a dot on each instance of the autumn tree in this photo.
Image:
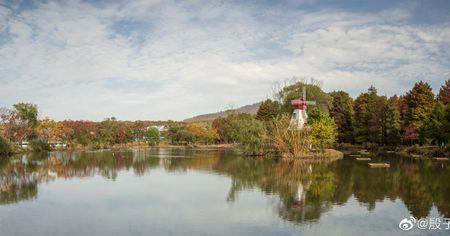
(268, 110)
(13, 127)
(420, 101)
(444, 93)
(80, 132)
(341, 111)
(139, 129)
(222, 126)
(50, 130)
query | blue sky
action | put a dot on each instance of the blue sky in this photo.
(173, 59)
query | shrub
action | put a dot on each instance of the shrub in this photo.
(250, 136)
(39, 145)
(286, 140)
(323, 130)
(152, 135)
(5, 147)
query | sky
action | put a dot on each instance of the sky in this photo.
(159, 60)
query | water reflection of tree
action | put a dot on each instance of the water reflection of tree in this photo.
(305, 190)
(20, 176)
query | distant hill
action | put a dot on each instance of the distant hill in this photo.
(249, 109)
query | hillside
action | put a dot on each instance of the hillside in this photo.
(249, 109)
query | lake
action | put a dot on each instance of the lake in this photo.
(178, 191)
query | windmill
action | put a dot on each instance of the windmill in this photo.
(299, 116)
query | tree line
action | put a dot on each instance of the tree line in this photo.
(417, 117)
(20, 126)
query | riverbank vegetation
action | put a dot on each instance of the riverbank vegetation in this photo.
(418, 117)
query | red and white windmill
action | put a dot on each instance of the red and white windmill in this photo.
(299, 116)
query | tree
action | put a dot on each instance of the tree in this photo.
(108, 130)
(152, 136)
(390, 123)
(323, 129)
(13, 127)
(222, 126)
(28, 112)
(313, 92)
(342, 112)
(432, 128)
(420, 101)
(444, 93)
(251, 136)
(81, 132)
(368, 110)
(268, 110)
(50, 130)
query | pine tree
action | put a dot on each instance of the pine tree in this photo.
(342, 112)
(420, 101)
(268, 110)
(444, 93)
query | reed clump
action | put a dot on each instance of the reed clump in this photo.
(287, 141)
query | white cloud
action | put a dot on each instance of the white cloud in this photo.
(190, 58)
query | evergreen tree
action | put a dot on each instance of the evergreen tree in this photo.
(420, 101)
(368, 109)
(390, 123)
(360, 122)
(268, 110)
(431, 131)
(444, 93)
(342, 112)
(446, 125)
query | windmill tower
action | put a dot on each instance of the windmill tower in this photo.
(299, 116)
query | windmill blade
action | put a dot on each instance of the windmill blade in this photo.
(310, 102)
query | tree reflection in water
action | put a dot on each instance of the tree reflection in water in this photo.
(305, 189)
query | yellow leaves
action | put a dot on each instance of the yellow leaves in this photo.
(50, 129)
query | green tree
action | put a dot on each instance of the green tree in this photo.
(444, 93)
(108, 129)
(323, 130)
(152, 136)
(313, 92)
(28, 112)
(368, 110)
(432, 128)
(268, 110)
(420, 101)
(251, 136)
(341, 111)
(390, 123)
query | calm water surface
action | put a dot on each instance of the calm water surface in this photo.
(214, 192)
